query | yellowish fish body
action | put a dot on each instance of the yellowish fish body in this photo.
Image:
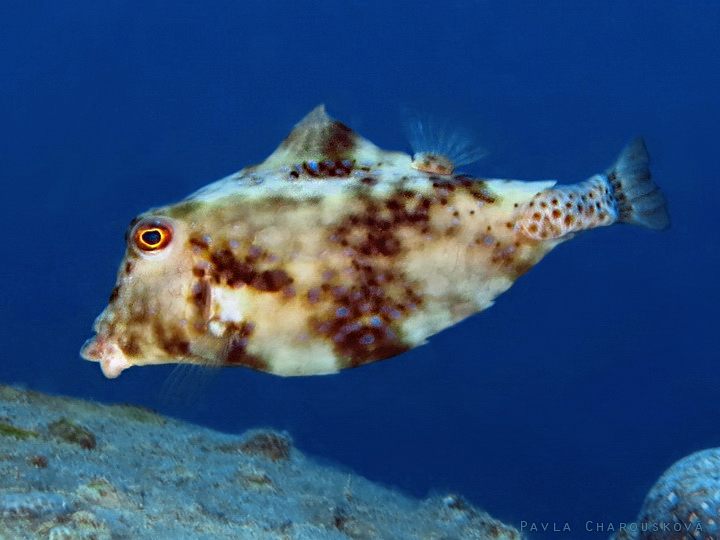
(333, 253)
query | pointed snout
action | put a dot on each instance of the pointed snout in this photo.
(111, 358)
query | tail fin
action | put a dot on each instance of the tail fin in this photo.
(640, 201)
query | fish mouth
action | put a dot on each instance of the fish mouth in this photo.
(102, 349)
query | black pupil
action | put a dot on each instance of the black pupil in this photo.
(151, 238)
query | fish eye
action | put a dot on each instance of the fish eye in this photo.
(152, 235)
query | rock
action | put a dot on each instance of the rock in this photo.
(684, 504)
(149, 477)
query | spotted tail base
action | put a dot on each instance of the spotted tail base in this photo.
(625, 193)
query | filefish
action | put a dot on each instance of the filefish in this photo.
(333, 253)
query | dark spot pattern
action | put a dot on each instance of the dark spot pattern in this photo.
(197, 242)
(322, 169)
(271, 280)
(130, 346)
(235, 268)
(201, 297)
(373, 232)
(361, 307)
(235, 351)
(227, 269)
(566, 209)
(477, 189)
(172, 341)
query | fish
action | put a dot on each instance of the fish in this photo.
(334, 253)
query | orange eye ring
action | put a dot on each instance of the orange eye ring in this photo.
(152, 235)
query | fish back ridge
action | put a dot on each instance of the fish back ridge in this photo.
(640, 201)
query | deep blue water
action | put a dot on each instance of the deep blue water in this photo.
(567, 399)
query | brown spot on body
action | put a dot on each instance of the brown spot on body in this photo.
(328, 168)
(235, 271)
(362, 316)
(235, 352)
(201, 297)
(229, 269)
(177, 347)
(358, 309)
(129, 346)
(373, 232)
(363, 336)
(173, 343)
(195, 241)
(271, 280)
(361, 354)
(394, 205)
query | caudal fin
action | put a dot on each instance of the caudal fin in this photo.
(640, 201)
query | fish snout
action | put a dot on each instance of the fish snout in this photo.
(101, 349)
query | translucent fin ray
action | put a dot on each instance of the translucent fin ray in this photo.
(640, 200)
(430, 136)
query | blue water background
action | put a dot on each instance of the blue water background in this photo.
(563, 402)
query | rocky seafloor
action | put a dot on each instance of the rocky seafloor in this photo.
(76, 470)
(72, 469)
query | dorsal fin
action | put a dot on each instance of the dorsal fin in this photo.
(438, 146)
(319, 138)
